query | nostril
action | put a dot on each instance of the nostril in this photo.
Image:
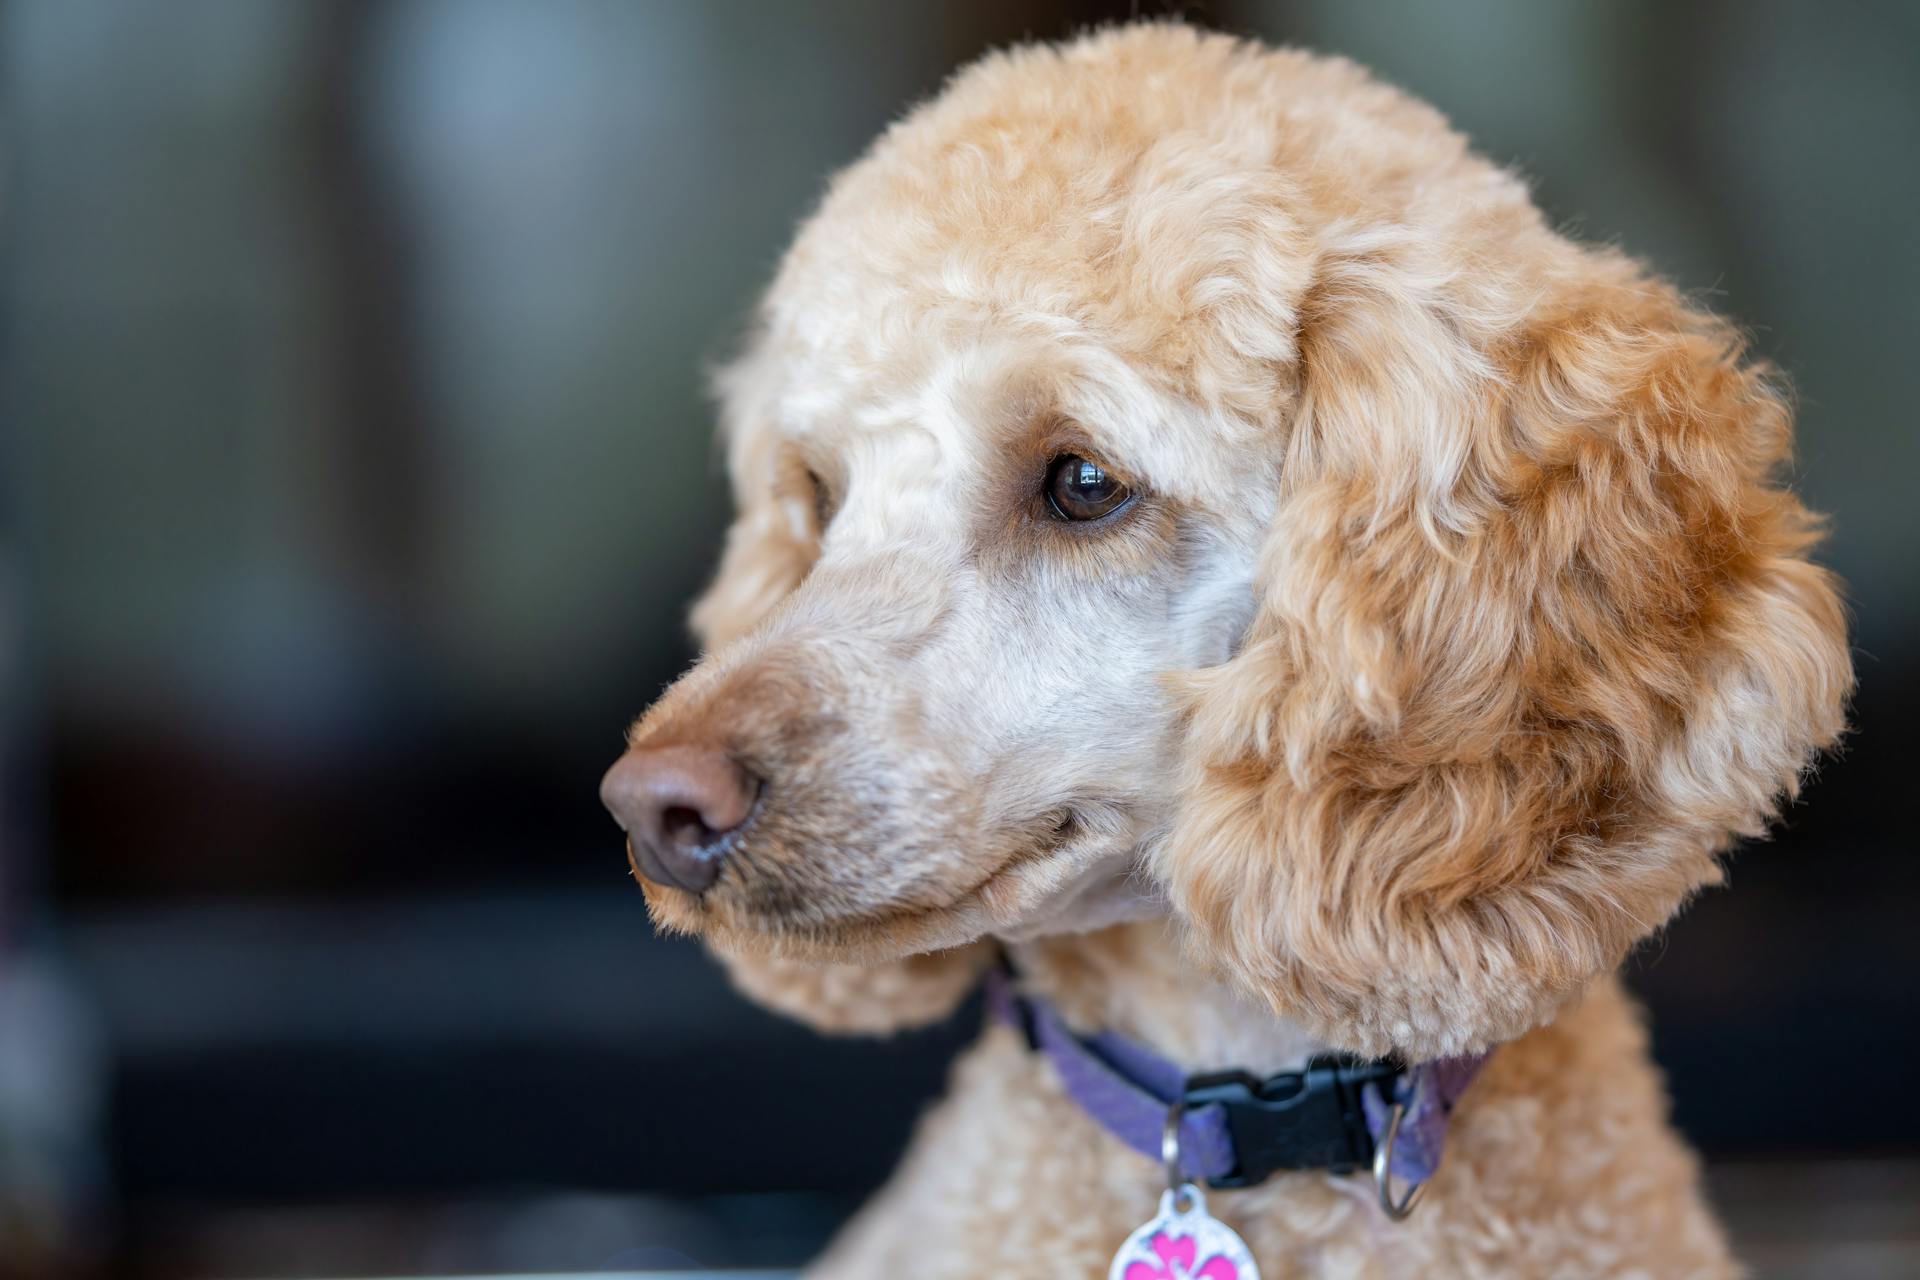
(677, 804)
(683, 826)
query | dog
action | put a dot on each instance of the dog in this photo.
(1205, 543)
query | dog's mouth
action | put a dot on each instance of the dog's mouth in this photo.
(1040, 863)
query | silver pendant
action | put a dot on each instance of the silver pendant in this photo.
(1184, 1242)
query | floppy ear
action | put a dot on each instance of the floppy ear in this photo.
(1537, 638)
(774, 541)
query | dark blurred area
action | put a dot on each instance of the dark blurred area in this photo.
(357, 471)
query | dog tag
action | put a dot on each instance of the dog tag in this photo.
(1184, 1242)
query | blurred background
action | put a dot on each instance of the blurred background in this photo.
(356, 472)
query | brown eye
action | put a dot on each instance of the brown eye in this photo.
(1081, 490)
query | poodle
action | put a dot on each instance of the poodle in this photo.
(1212, 560)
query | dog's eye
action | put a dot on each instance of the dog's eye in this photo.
(1081, 490)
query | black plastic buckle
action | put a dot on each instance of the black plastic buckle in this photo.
(1309, 1119)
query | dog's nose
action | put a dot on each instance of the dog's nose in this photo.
(678, 804)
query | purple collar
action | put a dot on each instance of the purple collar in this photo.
(1235, 1129)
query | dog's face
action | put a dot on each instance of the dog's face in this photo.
(959, 719)
(1231, 501)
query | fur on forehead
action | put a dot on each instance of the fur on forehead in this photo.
(1043, 198)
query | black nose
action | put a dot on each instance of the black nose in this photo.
(678, 804)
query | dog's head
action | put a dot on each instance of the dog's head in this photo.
(1176, 477)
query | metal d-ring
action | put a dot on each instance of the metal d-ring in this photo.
(1170, 1149)
(1400, 1209)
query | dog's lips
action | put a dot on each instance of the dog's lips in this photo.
(1006, 897)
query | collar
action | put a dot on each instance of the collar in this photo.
(1234, 1129)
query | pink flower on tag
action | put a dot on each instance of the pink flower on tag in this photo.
(1176, 1262)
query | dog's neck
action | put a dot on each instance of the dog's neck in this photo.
(1134, 980)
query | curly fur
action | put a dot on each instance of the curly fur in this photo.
(1492, 726)
(1462, 622)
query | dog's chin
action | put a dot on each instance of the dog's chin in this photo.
(1059, 890)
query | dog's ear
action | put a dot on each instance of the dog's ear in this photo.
(1537, 638)
(771, 546)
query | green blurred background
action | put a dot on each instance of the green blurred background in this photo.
(357, 471)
